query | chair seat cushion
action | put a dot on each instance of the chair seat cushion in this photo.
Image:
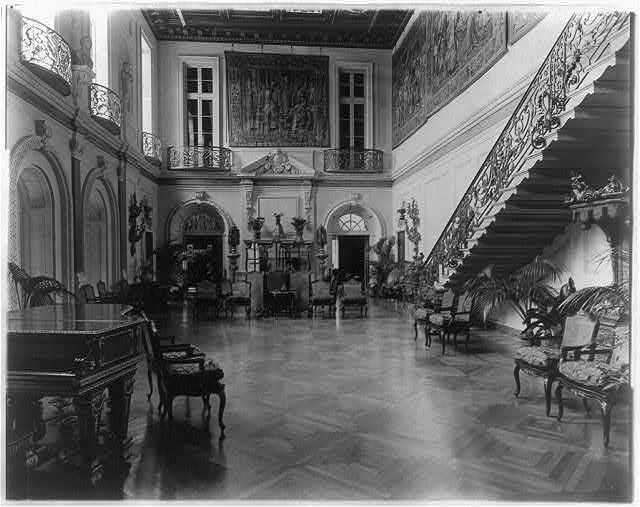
(188, 372)
(594, 374)
(180, 354)
(321, 300)
(440, 318)
(542, 357)
(354, 300)
(421, 313)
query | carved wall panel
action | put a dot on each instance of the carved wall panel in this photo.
(443, 53)
(278, 100)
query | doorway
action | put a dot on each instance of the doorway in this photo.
(208, 259)
(352, 255)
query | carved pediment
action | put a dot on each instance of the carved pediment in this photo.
(278, 163)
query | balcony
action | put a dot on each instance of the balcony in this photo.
(352, 161)
(152, 148)
(45, 52)
(199, 158)
(104, 106)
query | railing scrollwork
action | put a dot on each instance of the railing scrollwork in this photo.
(47, 54)
(537, 115)
(199, 158)
(342, 160)
(105, 108)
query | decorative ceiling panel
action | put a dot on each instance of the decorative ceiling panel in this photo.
(377, 29)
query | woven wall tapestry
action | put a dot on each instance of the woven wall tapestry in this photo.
(442, 54)
(278, 100)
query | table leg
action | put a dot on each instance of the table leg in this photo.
(89, 409)
(120, 397)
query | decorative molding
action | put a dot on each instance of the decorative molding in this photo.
(202, 196)
(77, 145)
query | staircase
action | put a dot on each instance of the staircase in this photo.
(575, 115)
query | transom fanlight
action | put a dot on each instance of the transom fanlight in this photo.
(352, 223)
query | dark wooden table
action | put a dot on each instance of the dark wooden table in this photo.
(77, 352)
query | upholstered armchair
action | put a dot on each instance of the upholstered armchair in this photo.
(461, 321)
(542, 360)
(352, 293)
(321, 294)
(438, 322)
(599, 372)
(240, 295)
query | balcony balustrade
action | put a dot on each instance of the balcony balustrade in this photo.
(352, 161)
(152, 147)
(199, 158)
(105, 108)
(45, 52)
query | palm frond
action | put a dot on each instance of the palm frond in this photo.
(597, 300)
(539, 269)
(487, 296)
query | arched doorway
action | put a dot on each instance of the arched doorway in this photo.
(97, 247)
(35, 224)
(201, 228)
(352, 229)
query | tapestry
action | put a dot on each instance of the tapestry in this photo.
(442, 54)
(278, 100)
(521, 22)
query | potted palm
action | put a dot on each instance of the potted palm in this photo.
(528, 291)
(298, 224)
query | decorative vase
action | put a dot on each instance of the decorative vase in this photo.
(256, 225)
(278, 231)
(298, 224)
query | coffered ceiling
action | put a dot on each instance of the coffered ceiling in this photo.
(357, 28)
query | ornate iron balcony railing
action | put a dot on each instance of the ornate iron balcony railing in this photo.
(538, 114)
(152, 147)
(47, 54)
(199, 158)
(105, 108)
(360, 161)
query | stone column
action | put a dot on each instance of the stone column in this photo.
(76, 145)
(124, 217)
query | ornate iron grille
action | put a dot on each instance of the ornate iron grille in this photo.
(104, 106)
(579, 46)
(46, 50)
(199, 158)
(151, 147)
(365, 161)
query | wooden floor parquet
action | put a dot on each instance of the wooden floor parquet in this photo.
(354, 409)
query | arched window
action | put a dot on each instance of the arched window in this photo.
(351, 223)
(96, 246)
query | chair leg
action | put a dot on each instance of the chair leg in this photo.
(415, 331)
(247, 311)
(150, 379)
(466, 343)
(442, 337)
(548, 382)
(606, 421)
(587, 408)
(516, 376)
(169, 410)
(559, 400)
(223, 402)
(366, 310)
(455, 340)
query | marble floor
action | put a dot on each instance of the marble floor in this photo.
(354, 409)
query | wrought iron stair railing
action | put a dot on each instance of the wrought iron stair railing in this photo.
(360, 161)
(152, 147)
(578, 48)
(105, 107)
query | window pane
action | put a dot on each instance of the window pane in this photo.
(344, 84)
(192, 87)
(207, 86)
(207, 139)
(358, 85)
(206, 124)
(207, 74)
(192, 74)
(358, 112)
(358, 143)
(206, 108)
(192, 107)
(345, 111)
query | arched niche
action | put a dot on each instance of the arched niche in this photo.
(200, 223)
(37, 182)
(100, 224)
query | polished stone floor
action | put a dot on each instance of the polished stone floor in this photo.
(354, 409)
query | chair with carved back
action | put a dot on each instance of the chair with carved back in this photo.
(600, 371)
(427, 300)
(353, 293)
(239, 294)
(461, 320)
(183, 370)
(104, 294)
(89, 294)
(542, 360)
(438, 322)
(321, 294)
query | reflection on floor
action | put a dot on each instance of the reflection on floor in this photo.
(354, 409)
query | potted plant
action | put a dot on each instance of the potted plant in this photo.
(528, 291)
(255, 224)
(298, 224)
(383, 264)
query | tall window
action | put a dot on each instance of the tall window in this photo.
(201, 89)
(100, 43)
(352, 110)
(147, 84)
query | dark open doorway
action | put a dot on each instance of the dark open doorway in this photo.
(211, 248)
(352, 252)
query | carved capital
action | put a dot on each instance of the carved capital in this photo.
(43, 133)
(77, 144)
(81, 76)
